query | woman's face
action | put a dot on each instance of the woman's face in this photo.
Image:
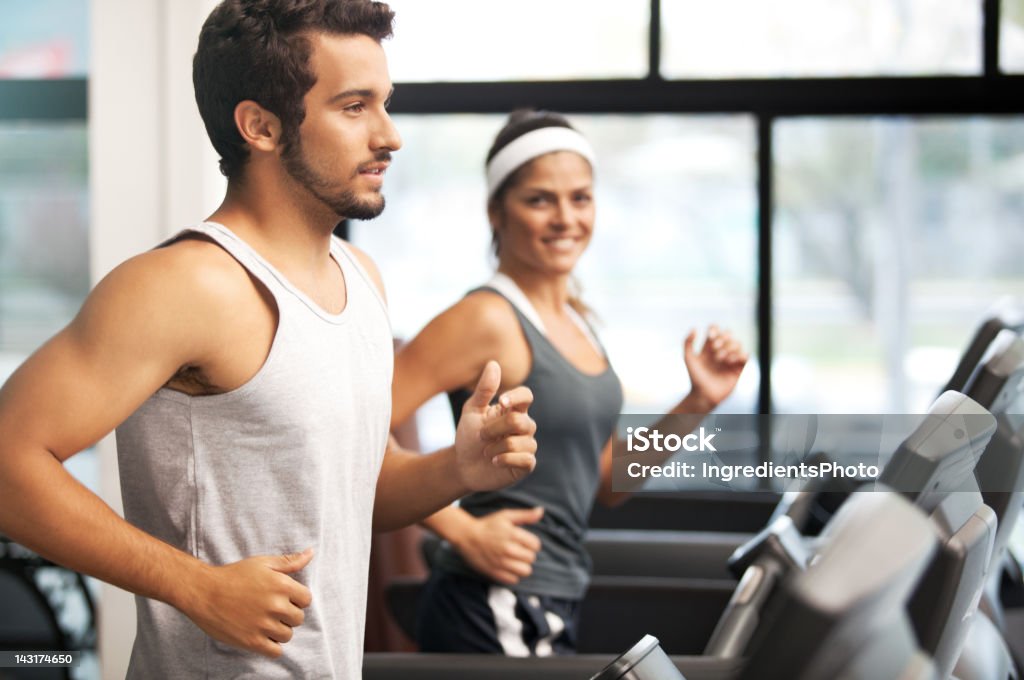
(545, 218)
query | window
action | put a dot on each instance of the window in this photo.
(457, 40)
(44, 39)
(892, 236)
(837, 60)
(799, 38)
(1011, 36)
(44, 254)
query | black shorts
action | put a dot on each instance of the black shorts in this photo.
(461, 614)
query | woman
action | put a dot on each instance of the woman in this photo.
(513, 569)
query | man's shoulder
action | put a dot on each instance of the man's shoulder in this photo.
(174, 305)
(367, 263)
(196, 268)
(198, 255)
(191, 280)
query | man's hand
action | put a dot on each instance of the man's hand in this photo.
(254, 603)
(494, 444)
(496, 546)
(714, 370)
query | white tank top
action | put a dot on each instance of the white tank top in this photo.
(287, 461)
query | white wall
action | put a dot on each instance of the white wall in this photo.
(151, 171)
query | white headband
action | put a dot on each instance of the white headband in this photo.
(529, 146)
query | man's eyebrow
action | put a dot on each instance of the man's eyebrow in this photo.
(358, 92)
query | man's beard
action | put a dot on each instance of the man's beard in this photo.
(344, 203)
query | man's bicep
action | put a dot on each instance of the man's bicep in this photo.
(93, 374)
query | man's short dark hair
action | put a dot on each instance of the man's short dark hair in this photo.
(259, 50)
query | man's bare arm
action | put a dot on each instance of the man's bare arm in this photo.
(151, 316)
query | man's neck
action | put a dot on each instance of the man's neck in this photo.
(290, 234)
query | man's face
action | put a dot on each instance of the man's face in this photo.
(345, 141)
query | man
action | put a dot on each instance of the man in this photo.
(246, 365)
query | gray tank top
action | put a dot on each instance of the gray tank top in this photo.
(287, 461)
(575, 414)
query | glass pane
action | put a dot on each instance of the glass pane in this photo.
(44, 253)
(455, 40)
(44, 39)
(1011, 36)
(892, 237)
(793, 38)
(674, 245)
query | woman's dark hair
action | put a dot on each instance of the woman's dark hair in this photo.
(259, 50)
(518, 124)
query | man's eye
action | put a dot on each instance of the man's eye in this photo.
(355, 108)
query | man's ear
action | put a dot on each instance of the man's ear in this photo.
(260, 128)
